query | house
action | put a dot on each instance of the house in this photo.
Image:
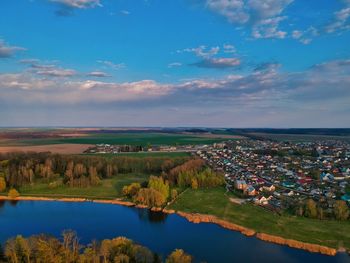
(288, 184)
(288, 193)
(315, 192)
(240, 184)
(326, 177)
(250, 190)
(262, 200)
(269, 188)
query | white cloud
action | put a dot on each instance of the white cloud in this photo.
(234, 10)
(263, 16)
(125, 12)
(57, 72)
(267, 87)
(98, 74)
(305, 37)
(265, 9)
(208, 59)
(7, 51)
(80, 4)
(48, 70)
(268, 28)
(340, 22)
(174, 64)
(228, 48)
(24, 81)
(218, 63)
(202, 51)
(111, 64)
(296, 34)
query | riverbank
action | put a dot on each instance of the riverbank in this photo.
(314, 248)
(199, 218)
(326, 233)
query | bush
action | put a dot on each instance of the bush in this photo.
(13, 193)
(131, 190)
(341, 210)
(179, 256)
(174, 194)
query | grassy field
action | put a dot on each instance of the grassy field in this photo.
(142, 139)
(109, 188)
(301, 137)
(213, 201)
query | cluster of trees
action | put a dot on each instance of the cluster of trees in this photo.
(195, 174)
(311, 209)
(191, 166)
(202, 179)
(19, 169)
(155, 194)
(43, 248)
(192, 173)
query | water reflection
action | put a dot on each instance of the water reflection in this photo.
(13, 202)
(151, 216)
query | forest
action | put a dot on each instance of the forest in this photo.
(18, 169)
(47, 249)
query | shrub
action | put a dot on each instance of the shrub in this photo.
(13, 193)
(131, 190)
(179, 256)
(174, 194)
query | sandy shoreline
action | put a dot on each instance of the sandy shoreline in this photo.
(198, 218)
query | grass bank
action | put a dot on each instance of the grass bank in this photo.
(329, 233)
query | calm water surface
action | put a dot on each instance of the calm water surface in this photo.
(159, 232)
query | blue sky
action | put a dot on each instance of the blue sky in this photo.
(216, 63)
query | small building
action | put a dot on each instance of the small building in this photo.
(250, 190)
(262, 200)
(269, 188)
(240, 184)
(288, 184)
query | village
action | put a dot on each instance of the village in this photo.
(115, 149)
(279, 175)
(275, 175)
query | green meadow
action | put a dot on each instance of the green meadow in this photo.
(108, 189)
(142, 139)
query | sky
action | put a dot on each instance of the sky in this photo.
(172, 63)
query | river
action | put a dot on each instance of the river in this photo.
(160, 232)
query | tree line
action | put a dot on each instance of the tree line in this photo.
(194, 173)
(310, 208)
(18, 169)
(47, 249)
